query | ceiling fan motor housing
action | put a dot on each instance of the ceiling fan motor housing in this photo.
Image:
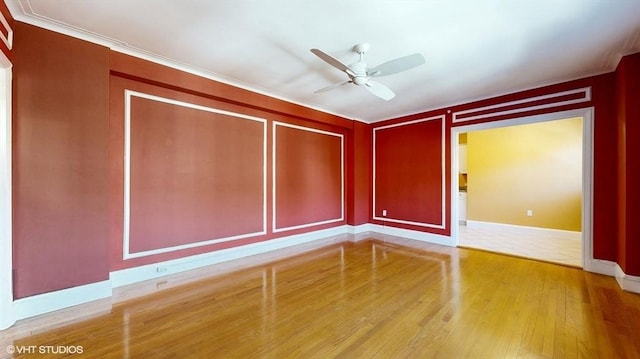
(360, 73)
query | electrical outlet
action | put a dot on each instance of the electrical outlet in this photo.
(384, 213)
(529, 213)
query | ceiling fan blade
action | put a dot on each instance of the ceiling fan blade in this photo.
(331, 87)
(332, 61)
(398, 65)
(380, 90)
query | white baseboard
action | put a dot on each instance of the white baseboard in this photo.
(359, 232)
(612, 269)
(52, 301)
(60, 299)
(412, 234)
(155, 270)
(601, 266)
(627, 282)
(543, 231)
(49, 302)
(7, 317)
(359, 228)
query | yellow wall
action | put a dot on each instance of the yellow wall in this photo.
(534, 167)
(462, 177)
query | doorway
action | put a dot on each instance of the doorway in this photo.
(533, 241)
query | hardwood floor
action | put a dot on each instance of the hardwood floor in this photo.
(375, 298)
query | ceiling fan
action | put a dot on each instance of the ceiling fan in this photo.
(360, 73)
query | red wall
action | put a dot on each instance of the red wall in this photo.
(69, 165)
(359, 174)
(628, 100)
(60, 115)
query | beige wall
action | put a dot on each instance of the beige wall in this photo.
(534, 167)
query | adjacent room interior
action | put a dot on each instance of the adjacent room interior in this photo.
(521, 190)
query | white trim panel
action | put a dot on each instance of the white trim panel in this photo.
(127, 254)
(442, 224)
(273, 174)
(585, 91)
(49, 302)
(8, 40)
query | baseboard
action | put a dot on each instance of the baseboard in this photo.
(65, 298)
(612, 269)
(491, 225)
(361, 228)
(52, 301)
(155, 270)
(627, 282)
(359, 232)
(48, 302)
(412, 234)
(601, 266)
(7, 317)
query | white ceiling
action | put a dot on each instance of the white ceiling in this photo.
(474, 49)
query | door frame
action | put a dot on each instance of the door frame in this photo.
(588, 121)
(7, 314)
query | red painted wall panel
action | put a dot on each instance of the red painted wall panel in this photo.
(604, 172)
(195, 175)
(308, 176)
(59, 165)
(628, 98)
(409, 172)
(360, 167)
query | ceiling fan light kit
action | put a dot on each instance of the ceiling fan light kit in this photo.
(359, 72)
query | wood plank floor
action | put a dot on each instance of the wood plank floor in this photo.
(365, 299)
